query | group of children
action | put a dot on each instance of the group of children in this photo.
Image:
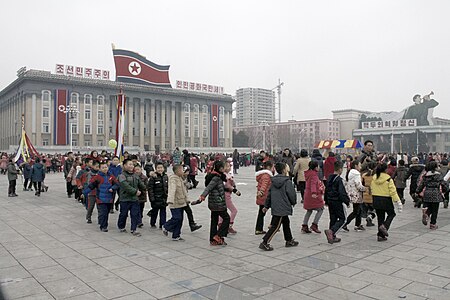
(33, 175)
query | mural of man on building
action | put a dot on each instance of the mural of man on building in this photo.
(422, 110)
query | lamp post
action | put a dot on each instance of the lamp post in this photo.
(72, 110)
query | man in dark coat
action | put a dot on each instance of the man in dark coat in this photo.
(37, 176)
(67, 166)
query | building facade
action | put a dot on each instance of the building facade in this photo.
(255, 106)
(156, 119)
(292, 134)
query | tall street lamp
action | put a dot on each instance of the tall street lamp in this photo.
(73, 111)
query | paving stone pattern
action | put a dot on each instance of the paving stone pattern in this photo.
(47, 251)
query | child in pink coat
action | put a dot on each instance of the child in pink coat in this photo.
(230, 187)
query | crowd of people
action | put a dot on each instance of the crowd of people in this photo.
(372, 183)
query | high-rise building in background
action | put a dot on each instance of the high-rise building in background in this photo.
(255, 106)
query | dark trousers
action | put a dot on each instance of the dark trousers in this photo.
(301, 186)
(103, 214)
(432, 211)
(190, 215)
(90, 204)
(275, 226)
(223, 229)
(77, 192)
(176, 222)
(367, 211)
(69, 188)
(260, 219)
(37, 187)
(28, 183)
(12, 187)
(133, 208)
(401, 193)
(337, 215)
(141, 211)
(383, 220)
(154, 215)
(355, 214)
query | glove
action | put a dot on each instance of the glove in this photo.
(399, 206)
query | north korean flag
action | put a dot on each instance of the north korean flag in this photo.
(132, 67)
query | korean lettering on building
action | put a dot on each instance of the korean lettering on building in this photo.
(93, 73)
(199, 87)
(389, 124)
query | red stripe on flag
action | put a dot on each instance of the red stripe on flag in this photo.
(214, 125)
(133, 68)
(61, 118)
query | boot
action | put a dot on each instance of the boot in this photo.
(369, 222)
(305, 229)
(445, 203)
(315, 228)
(433, 226)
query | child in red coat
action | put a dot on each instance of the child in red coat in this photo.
(263, 177)
(313, 198)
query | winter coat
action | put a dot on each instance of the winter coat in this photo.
(313, 186)
(301, 166)
(400, 177)
(4, 163)
(177, 192)
(363, 156)
(158, 187)
(383, 192)
(103, 183)
(391, 170)
(443, 170)
(72, 175)
(215, 190)
(148, 168)
(194, 166)
(26, 170)
(328, 167)
(354, 186)
(264, 181)
(319, 158)
(12, 171)
(433, 186)
(176, 156)
(259, 163)
(289, 160)
(414, 172)
(130, 183)
(67, 166)
(37, 173)
(282, 196)
(114, 170)
(367, 181)
(143, 196)
(335, 190)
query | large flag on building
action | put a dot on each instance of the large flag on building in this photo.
(132, 67)
(61, 136)
(26, 148)
(120, 125)
(214, 125)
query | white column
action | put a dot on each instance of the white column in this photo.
(141, 124)
(152, 124)
(130, 123)
(163, 126)
(230, 128)
(172, 125)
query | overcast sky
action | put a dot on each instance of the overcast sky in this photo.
(372, 55)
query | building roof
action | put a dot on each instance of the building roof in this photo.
(351, 110)
(39, 75)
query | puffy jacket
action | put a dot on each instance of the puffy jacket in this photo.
(37, 173)
(215, 190)
(158, 187)
(12, 171)
(259, 163)
(130, 183)
(289, 160)
(177, 196)
(230, 187)
(264, 181)
(319, 158)
(433, 186)
(384, 186)
(148, 168)
(354, 186)
(328, 167)
(367, 181)
(102, 183)
(282, 196)
(27, 170)
(400, 177)
(313, 186)
(143, 196)
(67, 166)
(115, 170)
(85, 179)
(335, 190)
(301, 166)
(414, 172)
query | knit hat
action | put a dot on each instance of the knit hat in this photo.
(415, 159)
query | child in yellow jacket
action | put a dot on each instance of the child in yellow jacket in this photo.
(384, 194)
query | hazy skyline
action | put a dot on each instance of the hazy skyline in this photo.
(369, 55)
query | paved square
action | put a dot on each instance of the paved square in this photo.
(47, 251)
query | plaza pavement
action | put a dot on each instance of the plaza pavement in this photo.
(47, 251)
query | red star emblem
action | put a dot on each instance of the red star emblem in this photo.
(134, 68)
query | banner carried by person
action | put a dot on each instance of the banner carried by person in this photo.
(132, 67)
(120, 125)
